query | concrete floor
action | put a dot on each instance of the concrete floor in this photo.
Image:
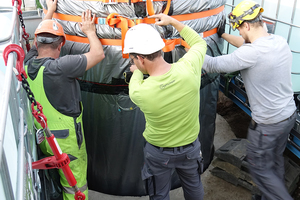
(214, 187)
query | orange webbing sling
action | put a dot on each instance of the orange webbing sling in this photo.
(116, 21)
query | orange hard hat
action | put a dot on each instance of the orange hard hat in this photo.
(50, 26)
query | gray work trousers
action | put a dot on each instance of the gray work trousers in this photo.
(160, 163)
(265, 149)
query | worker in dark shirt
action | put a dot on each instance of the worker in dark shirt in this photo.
(53, 82)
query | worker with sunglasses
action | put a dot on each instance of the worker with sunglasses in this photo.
(170, 101)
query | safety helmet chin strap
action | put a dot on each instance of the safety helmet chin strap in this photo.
(234, 19)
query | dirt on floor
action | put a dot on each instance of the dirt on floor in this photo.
(239, 121)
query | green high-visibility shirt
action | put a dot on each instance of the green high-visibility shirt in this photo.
(170, 102)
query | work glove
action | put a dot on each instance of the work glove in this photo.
(221, 27)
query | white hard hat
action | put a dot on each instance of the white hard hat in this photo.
(142, 39)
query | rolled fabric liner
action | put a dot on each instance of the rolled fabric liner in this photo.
(113, 124)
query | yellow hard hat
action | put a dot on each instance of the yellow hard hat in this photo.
(246, 10)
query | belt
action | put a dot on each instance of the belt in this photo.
(173, 148)
(288, 117)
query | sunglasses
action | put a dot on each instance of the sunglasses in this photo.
(131, 61)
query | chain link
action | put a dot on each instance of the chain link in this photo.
(21, 20)
(26, 87)
(25, 34)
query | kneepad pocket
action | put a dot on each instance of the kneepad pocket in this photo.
(195, 155)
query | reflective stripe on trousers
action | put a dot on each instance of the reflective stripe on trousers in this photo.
(70, 190)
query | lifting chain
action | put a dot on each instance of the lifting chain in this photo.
(21, 76)
(38, 112)
(59, 160)
(25, 34)
(29, 93)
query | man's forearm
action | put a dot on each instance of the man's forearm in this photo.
(49, 14)
(51, 8)
(134, 86)
(236, 41)
(96, 53)
(193, 38)
(95, 44)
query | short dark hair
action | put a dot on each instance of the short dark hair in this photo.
(149, 56)
(53, 45)
(257, 21)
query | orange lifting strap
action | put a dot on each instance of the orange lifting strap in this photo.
(170, 44)
(150, 9)
(116, 21)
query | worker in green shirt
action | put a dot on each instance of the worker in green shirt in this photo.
(170, 101)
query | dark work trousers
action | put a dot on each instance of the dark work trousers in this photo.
(265, 155)
(160, 163)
